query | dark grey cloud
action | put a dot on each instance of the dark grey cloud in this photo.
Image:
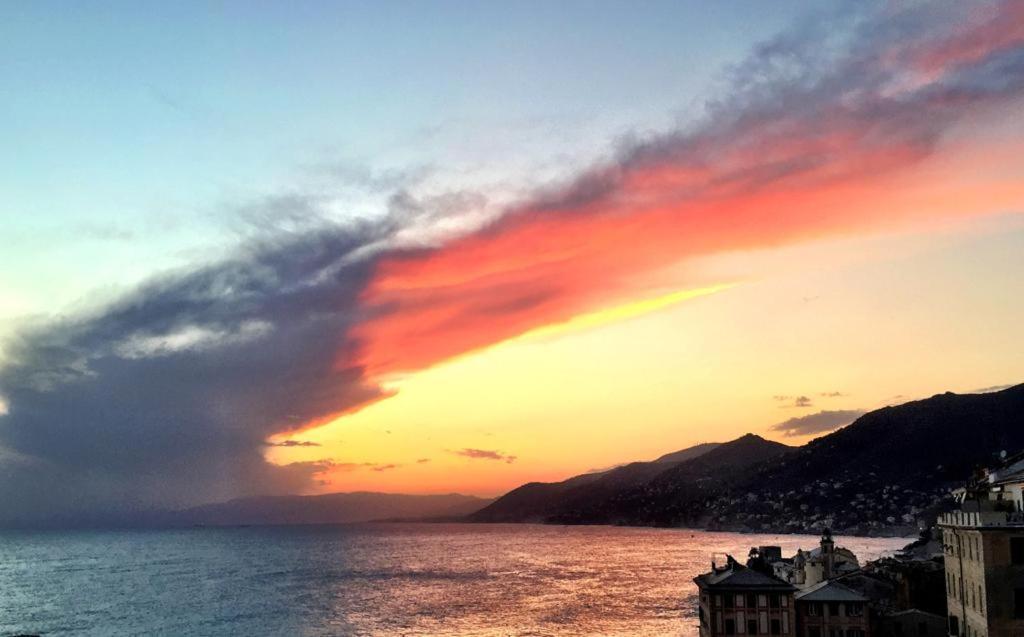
(819, 422)
(485, 454)
(166, 397)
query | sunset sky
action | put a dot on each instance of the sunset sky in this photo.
(450, 247)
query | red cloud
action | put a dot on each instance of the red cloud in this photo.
(807, 159)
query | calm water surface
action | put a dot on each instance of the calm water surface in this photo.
(388, 579)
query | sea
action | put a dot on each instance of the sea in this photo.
(370, 579)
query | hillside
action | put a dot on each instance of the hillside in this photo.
(890, 468)
(539, 501)
(885, 473)
(332, 508)
(670, 491)
(568, 500)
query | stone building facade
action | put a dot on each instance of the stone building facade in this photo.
(983, 544)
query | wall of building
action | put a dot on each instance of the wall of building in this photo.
(982, 581)
(1002, 580)
(912, 624)
(821, 618)
(722, 610)
(966, 597)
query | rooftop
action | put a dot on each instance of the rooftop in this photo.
(830, 591)
(737, 576)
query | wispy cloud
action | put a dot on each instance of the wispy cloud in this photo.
(983, 390)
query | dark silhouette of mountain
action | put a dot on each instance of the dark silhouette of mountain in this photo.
(545, 502)
(690, 452)
(332, 508)
(692, 480)
(891, 468)
(888, 472)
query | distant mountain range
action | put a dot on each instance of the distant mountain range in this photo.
(887, 472)
(331, 508)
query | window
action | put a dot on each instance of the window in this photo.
(751, 626)
(854, 632)
(814, 609)
(814, 632)
(739, 599)
(751, 600)
(728, 601)
(954, 626)
(854, 609)
(833, 609)
(1017, 550)
(776, 627)
(1018, 603)
(730, 626)
(773, 600)
(762, 600)
(835, 632)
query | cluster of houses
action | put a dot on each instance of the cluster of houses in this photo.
(964, 578)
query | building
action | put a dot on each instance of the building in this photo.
(912, 623)
(738, 600)
(983, 543)
(808, 568)
(830, 609)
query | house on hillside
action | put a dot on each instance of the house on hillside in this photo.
(739, 600)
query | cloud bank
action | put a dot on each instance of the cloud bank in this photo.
(166, 398)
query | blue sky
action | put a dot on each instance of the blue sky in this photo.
(135, 133)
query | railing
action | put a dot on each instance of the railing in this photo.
(981, 518)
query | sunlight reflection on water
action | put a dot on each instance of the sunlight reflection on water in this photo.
(389, 579)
